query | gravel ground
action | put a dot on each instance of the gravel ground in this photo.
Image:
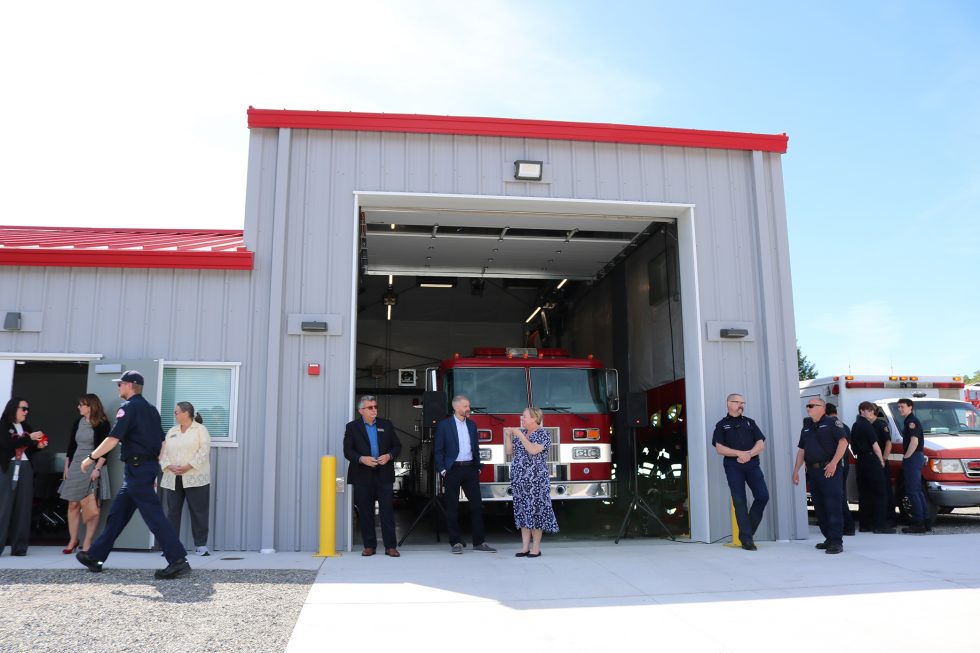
(122, 610)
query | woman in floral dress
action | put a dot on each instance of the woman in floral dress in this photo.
(530, 481)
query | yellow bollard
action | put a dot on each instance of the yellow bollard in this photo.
(735, 539)
(328, 508)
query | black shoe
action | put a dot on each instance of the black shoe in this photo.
(173, 570)
(884, 531)
(914, 528)
(834, 548)
(90, 562)
(19, 553)
(749, 545)
(865, 530)
(822, 545)
(849, 531)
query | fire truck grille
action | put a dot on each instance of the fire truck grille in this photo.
(553, 455)
(972, 468)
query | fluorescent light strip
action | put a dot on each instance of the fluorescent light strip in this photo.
(563, 282)
(389, 311)
(531, 317)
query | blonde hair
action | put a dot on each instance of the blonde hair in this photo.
(536, 414)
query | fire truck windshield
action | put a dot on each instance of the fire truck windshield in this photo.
(942, 417)
(491, 389)
(571, 390)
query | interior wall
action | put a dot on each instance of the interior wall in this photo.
(52, 389)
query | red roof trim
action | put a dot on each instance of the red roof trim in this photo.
(214, 249)
(514, 128)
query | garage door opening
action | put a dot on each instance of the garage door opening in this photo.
(579, 292)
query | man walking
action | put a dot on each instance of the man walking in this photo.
(371, 446)
(912, 462)
(822, 446)
(740, 441)
(457, 457)
(139, 432)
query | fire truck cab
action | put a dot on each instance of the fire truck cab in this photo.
(577, 396)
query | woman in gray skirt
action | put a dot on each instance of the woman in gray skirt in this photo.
(82, 491)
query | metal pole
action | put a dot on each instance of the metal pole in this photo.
(328, 508)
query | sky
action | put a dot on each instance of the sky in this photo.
(131, 114)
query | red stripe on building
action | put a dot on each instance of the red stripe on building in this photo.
(515, 128)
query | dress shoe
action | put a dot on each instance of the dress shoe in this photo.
(821, 545)
(87, 560)
(834, 548)
(849, 531)
(521, 554)
(392, 553)
(749, 545)
(884, 531)
(915, 527)
(19, 553)
(368, 551)
(486, 548)
(173, 570)
(534, 555)
(69, 550)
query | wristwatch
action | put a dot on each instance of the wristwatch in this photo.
(91, 458)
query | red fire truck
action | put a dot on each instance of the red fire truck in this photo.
(577, 396)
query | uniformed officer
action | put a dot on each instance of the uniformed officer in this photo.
(139, 431)
(912, 462)
(885, 444)
(740, 441)
(870, 471)
(822, 445)
(845, 466)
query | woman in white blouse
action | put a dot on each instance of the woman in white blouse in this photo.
(186, 465)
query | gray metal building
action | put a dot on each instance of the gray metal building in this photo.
(337, 202)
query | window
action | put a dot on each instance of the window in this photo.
(213, 390)
(490, 389)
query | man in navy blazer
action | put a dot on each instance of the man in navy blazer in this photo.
(457, 458)
(371, 445)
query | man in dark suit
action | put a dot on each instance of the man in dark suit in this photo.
(371, 445)
(457, 457)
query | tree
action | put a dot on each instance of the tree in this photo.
(807, 370)
(971, 378)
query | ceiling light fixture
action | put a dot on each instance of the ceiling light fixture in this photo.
(531, 316)
(563, 282)
(436, 282)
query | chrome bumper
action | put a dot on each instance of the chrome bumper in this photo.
(562, 491)
(954, 496)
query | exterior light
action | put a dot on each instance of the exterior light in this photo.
(316, 327)
(528, 170)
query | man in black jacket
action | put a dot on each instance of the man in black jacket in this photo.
(371, 446)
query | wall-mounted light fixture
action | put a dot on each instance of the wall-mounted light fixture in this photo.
(734, 333)
(313, 327)
(528, 170)
(12, 321)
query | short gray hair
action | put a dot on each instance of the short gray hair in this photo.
(536, 414)
(733, 395)
(363, 400)
(459, 398)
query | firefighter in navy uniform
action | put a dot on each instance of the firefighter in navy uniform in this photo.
(821, 447)
(139, 432)
(885, 444)
(845, 465)
(912, 462)
(870, 471)
(740, 441)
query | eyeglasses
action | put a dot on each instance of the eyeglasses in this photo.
(24, 408)
(811, 406)
(370, 408)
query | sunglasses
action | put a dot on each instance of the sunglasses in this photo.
(23, 408)
(370, 408)
(809, 406)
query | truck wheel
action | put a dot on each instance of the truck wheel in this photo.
(905, 507)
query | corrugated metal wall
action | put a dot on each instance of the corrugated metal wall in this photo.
(732, 192)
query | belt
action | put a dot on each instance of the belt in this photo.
(136, 461)
(817, 465)
(465, 463)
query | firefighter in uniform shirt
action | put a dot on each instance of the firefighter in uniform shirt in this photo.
(870, 471)
(885, 444)
(740, 441)
(139, 431)
(822, 446)
(912, 463)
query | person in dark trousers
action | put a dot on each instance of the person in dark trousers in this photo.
(821, 447)
(140, 434)
(848, 518)
(912, 462)
(18, 443)
(885, 444)
(457, 457)
(870, 471)
(740, 441)
(371, 446)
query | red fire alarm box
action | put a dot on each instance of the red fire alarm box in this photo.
(313, 369)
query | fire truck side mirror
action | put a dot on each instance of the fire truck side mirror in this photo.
(612, 390)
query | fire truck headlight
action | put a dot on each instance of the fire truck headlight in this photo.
(585, 453)
(655, 419)
(485, 454)
(946, 466)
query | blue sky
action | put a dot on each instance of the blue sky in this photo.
(138, 119)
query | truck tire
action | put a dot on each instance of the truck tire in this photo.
(906, 509)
